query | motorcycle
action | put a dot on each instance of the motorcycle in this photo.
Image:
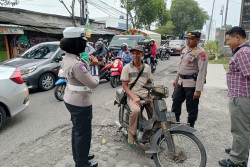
(60, 86)
(170, 143)
(165, 53)
(116, 70)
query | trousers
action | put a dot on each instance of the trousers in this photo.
(135, 112)
(240, 128)
(81, 118)
(181, 94)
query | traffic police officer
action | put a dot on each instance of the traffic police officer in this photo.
(78, 92)
(190, 78)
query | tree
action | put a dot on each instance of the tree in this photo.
(72, 12)
(167, 29)
(143, 13)
(186, 16)
(8, 2)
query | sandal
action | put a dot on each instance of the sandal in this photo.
(130, 144)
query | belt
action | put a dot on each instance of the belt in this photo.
(79, 88)
(194, 76)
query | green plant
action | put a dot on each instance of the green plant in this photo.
(211, 47)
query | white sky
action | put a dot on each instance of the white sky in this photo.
(55, 7)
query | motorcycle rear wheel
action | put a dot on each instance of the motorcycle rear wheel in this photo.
(115, 81)
(187, 144)
(59, 91)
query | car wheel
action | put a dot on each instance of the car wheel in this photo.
(46, 81)
(2, 117)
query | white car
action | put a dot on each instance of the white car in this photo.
(14, 94)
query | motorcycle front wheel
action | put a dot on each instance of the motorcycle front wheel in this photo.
(59, 91)
(189, 151)
(115, 81)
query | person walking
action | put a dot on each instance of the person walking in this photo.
(78, 93)
(190, 78)
(238, 82)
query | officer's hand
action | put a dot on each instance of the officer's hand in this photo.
(93, 61)
(197, 95)
(137, 101)
(175, 83)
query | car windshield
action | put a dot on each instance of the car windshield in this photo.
(40, 52)
(171, 43)
(120, 41)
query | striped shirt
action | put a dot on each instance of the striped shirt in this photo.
(238, 81)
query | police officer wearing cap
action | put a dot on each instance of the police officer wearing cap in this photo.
(78, 92)
(190, 78)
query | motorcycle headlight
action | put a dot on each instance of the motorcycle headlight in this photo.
(28, 70)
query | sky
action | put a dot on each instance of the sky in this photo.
(55, 7)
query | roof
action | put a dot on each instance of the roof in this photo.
(10, 17)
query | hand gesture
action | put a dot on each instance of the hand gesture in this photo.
(93, 61)
(137, 101)
(175, 83)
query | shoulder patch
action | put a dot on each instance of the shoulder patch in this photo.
(203, 56)
(83, 68)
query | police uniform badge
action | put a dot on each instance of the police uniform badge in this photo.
(83, 68)
(203, 56)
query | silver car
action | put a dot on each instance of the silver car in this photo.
(14, 94)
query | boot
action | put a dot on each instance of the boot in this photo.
(191, 124)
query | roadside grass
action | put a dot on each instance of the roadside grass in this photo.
(223, 60)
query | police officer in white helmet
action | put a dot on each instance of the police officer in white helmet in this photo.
(78, 93)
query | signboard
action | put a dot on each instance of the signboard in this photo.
(11, 30)
(245, 14)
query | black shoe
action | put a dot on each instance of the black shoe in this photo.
(229, 163)
(91, 156)
(93, 164)
(227, 150)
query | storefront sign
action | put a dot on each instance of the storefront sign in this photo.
(245, 14)
(11, 30)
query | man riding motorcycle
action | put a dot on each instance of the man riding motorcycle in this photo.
(125, 54)
(100, 53)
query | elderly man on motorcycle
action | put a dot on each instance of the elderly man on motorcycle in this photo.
(136, 73)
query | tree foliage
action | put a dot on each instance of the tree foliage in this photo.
(186, 16)
(211, 47)
(167, 29)
(8, 2)
(143, 13)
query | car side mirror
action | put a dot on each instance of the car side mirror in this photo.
(59, 58)
(63, 54)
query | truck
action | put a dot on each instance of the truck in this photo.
(133, 37)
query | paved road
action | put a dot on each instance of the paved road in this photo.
(45, 113)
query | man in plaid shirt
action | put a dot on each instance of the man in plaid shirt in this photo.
(238, 81)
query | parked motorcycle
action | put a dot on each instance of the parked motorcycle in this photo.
(170, 143)
(116, 70)
(60, 86)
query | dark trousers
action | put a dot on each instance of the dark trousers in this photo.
(81, 133)
(179, 96)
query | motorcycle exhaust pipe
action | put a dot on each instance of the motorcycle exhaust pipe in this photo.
(120, 127)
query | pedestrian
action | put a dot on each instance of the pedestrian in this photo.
(238, 82)
(78, 92)
(190, 78)
(134, 75)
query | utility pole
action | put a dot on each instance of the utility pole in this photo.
(221, 13)
(225, 21)
(127, 16)
(209, 29)
(82, 12)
